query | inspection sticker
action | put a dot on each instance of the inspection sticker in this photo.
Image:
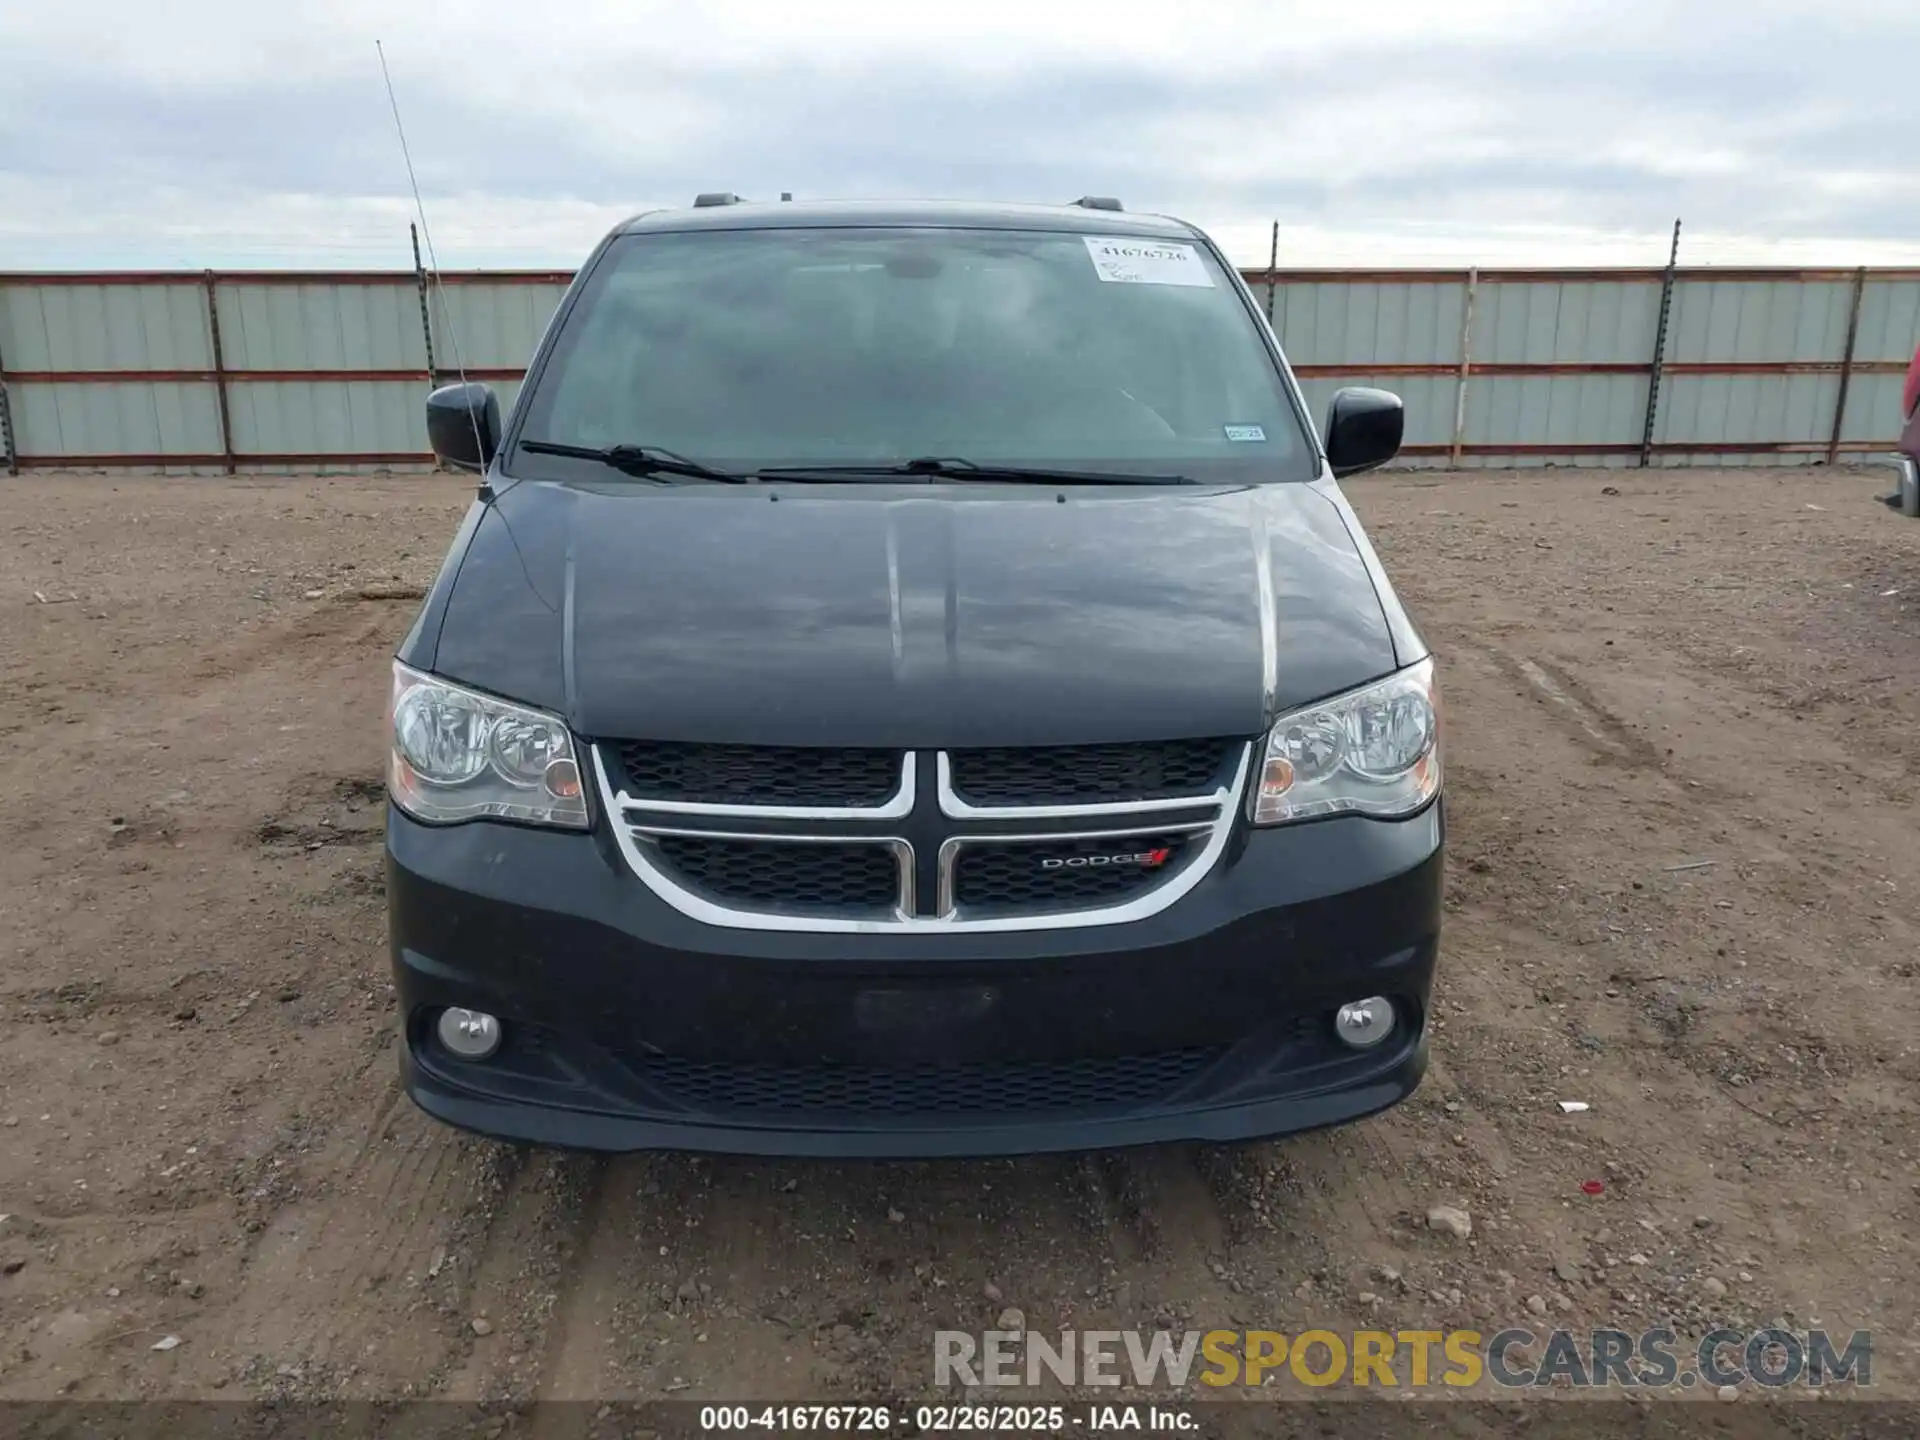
(1146, 262)
(1245, 432)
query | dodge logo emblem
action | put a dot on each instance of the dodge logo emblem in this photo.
(1145, 859)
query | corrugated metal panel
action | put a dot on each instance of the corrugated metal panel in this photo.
(1560, 410)
(1701, 409)
(1577, 322)
(104, 327)
(1873, 408)
(360, 339)
(322, 327)
(329, 417)
(1361, 324)
(116, 419)
(495, 326)
(1889, 321)
(1775, 320)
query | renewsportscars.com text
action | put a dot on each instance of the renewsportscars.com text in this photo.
(1513, 1358)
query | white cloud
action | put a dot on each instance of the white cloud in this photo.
(222, 132)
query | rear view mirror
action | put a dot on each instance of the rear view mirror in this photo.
(463, 425)
(1363, 429)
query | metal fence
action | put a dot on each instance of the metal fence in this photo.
(233, 370)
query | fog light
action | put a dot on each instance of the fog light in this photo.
(470, 1034)
(1364, 1023)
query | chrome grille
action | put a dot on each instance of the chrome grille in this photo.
(994, 877)
(769, 863)
(1089, 774)
(778, 875)
(757, 775)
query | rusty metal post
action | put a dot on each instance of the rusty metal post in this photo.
(1659, 350)
(6, 423)
(1466, 368)
(1273, 263)
(426, 316)
(220, 373)
(1846, 364)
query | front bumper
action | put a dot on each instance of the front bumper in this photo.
(629, 1025)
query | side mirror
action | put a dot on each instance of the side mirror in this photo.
(463, 425)
(1363, 429)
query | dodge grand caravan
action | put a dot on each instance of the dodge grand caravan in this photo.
(910, 684)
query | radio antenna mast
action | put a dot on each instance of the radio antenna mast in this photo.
(426, 233)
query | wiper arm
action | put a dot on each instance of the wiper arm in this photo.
(637, 460)
(955, 468)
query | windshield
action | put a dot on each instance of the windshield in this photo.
(757, 348)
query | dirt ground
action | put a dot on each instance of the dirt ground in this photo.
(1684, 724)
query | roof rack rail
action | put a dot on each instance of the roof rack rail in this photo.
(708, 198)
(1098, 202)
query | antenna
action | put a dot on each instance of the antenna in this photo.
(426, 233)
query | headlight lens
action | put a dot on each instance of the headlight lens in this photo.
(460, 755)
(1374, 751)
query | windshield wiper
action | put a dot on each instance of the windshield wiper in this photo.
(945, 467)
(637, 460)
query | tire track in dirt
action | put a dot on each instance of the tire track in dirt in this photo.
(507, 1275)
(729, 1277)
(976, 1239)
(1170, 1245)
(617, 1296)
(580, 1356)
(1571, 702)
(748, 1302)
(333, 629)
(333, 1279)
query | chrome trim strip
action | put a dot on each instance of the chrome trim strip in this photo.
(902, 855)
(1140, 907)
(706, 911)
(698, 907)
(900, 805)
(954, 808)
(951, 847)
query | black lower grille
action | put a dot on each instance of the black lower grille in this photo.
(758, 774)
(1089, 774)
(984, 1090)
(789, 878)
(1034, 876)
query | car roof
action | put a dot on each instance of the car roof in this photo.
(946, 214)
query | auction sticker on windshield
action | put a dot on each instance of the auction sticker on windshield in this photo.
(1146, 262)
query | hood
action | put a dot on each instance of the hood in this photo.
(907, 618)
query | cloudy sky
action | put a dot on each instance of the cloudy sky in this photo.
(257, 132)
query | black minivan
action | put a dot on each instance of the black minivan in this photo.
(910, 685)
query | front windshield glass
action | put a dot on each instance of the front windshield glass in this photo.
(755, 348)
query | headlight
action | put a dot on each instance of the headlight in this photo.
(1374, 751)
(460, 755)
